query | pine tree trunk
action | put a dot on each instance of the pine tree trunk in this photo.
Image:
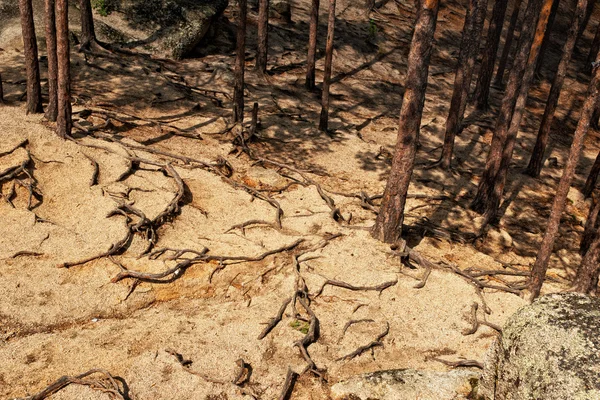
(88, 34)
(591, 225)
(546, 40)
(593, 54)
(323, 120)
(312, 45)
(510, 34)
(63, 120)
(51, 110)
(482, 90)
(481, 203)
(537, 157)
(590, 183)
(240, 63)
(586, 19)
(474, 19)
(34, 90)
(388, 225)
(263, 36)
(1, 91)
(586, 279)
(538, 272)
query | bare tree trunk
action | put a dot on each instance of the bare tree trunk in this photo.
(546, 40)
(51, 110)
(537, 157)
(482, 90)
(586, 279)
(484, 195)
(1, 91)
(538, 272)
(591, 225)
(88, 34)
(312, 45)
(593, 54)
(32, 66)
(586, 19)
(263, 36)
(240, 63)
(327, 76)
(63, 120)
(388, 225)
(510, 34)
(473, 26)
(590, 183)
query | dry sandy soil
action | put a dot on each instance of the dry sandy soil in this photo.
(58, 321)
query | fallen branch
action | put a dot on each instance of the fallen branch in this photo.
(375, 343)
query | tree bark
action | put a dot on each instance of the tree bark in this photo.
(323, 120)
(88, 34)
(473, 26)
(537, 157)
(586, 279)
(312, 45)
(586, 19)
(487, 183)
(51, 109)
(590, 183)
(263, 36)
(593, 54)
(546, 40)
(510, 34)
(1, 91)
(482, 90)
(32, 66)
(240, 63)
(538, 272)
(388, 225)
(591, 225)
(63, 120)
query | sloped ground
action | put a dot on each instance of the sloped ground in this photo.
(56, 321)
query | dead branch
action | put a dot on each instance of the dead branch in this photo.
(288, 385)
(275, 320)
(378, 288)
(112, 389)
(460, 363)
(375, 343)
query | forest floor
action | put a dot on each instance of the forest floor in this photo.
(167, 141)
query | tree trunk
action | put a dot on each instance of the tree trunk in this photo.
(546, 40)
(474, 19)
(263, 36)
(88, 34)
(312, 45)
(586, 19)
(538, 272)
(388, 225)
(586, 279)
(510, 34)
(63, 120)
(240, 63)
(489, 56)
(593, 54)
(328, 59)
(34, 90)
(591, 225)
(537, 157)
(1, 91)
(51, 110)
(590, 183)
(481, 203)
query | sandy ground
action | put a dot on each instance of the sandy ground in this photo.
(58, 321)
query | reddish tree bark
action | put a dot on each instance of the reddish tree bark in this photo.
(240, 63)
(546, 40)
(586, 279)
(538, 272)
(484, 199)
(592, 178)
(312, 45)
(32, 66)
(51, 109)
(510, 34)
(88, 34)
(593, 54)
(473, 26)
(537, 157)
(324, 118)
(63, 120)
(388, 225)
(263, 36)
(586, 19)
(591, 225)
(482, 90)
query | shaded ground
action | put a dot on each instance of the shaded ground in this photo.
(56, 321)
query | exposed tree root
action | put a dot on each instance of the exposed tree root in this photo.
(96, 173)
(275, 320)
(460, 363)
(186, 364)
(378, 288)
(311, 337)
(475, 322)
(375, 343)
(423, 280)
(352, 322)
(107, 385)
(288, 385)
(21, 175)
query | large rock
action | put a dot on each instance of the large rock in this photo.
(548, 350)
(408, 384)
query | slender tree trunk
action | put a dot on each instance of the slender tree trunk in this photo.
(482, 89)
(51, 110)
(263, 36)
(586, 19)
(593, 54)
(312, 45)
(388, 225)
(481, 203)
(240, 63)
(474, 19)
(328, 59)
(510, 34)
(590, 183)
(546, 40)
(586, 279)
(537, 157)
(591, 225)
(538, 272)
(34, 90)
(88, 34)
(63, 120)
(1, 91)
